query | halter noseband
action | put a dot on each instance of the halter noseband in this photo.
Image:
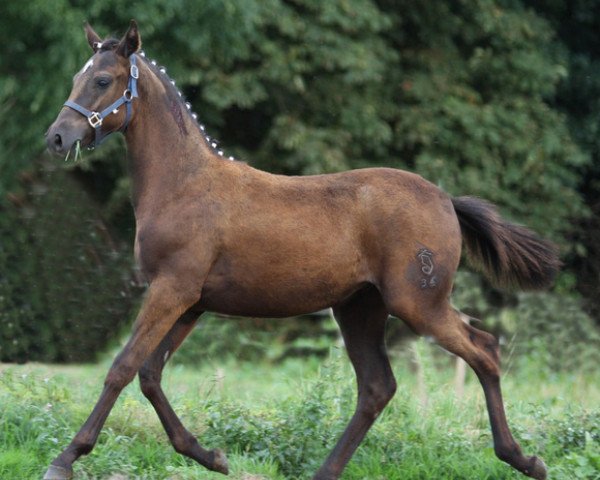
(95, 119)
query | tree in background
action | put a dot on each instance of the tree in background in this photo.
(65, 284)
(462, 92)
(456, 92)
(577, 25)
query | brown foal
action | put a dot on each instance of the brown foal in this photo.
(214, 234)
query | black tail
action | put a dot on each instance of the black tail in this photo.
(509, 255)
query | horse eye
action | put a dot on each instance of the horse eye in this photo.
(103, 82)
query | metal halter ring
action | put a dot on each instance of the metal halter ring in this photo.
(95, 120)
(127, 95)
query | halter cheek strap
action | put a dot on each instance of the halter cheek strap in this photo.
(95, 119)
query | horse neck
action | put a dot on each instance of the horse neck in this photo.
(166, 149)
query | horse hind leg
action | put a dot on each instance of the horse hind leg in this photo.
(362, 320)
(150, 377)
(481, 351)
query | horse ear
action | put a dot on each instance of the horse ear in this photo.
(131, 42)
(92, 37)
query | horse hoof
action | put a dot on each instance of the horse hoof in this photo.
(55, 472)
(220, 463)
(538, 469)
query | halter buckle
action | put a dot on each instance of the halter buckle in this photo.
(134, 72)
(95, 120)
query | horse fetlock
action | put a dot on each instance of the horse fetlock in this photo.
(56, 472)
(321, 475)
(533, 467)
(510, 454)
(185, 444)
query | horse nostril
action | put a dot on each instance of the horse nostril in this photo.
(57, 141)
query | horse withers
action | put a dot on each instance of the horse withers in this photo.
(216, 234)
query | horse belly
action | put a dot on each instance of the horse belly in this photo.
(282, 283)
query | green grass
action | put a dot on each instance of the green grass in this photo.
(280, 421)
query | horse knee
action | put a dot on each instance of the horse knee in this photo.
(119, 376)
(149, 382)
(375, 396)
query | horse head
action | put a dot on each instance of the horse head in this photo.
(100, 102)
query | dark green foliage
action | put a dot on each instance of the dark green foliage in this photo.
(490, 98)
(577, 24)
(40, 54)
(455, 91)
(296, 436)
(554, 332)
(576, 436)
(544, 332)
(65, 286)
(472, 111)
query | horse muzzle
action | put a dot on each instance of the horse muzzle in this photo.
(63, 134)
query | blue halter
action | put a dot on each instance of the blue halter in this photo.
(95, 118)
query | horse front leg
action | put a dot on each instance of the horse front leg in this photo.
(150, 376)
(163, 305)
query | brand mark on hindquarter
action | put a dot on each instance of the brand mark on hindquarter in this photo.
(425, 256)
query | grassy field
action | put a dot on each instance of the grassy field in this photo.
(280, 421)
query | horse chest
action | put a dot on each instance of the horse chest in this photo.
(150, 250)
(169, 246)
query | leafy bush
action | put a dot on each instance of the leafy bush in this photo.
(554, 333)
(295, 435)
(547, 332)
(461, 93)
(577, 437)
(65, 286)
